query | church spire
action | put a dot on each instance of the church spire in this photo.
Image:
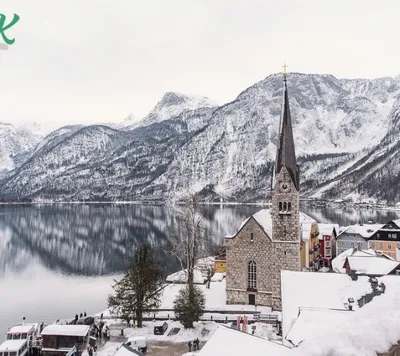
(285, 155)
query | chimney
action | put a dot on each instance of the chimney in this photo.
(358, 246)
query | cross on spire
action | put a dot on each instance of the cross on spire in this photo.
(284, 69)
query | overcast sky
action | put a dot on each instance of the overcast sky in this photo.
(86, 61)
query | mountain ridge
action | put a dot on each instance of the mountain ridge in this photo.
(341, 128)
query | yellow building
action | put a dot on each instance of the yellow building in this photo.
(220, 264)
(310, 249)
(387, 239)
(387, 247)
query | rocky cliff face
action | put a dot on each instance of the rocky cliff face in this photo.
(346, 134)
(16, 143)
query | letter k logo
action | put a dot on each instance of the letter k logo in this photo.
(4, 27)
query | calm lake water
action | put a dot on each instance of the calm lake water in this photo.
(57, 260)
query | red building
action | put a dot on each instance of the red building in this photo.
(327, 243)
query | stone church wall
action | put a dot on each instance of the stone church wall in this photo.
(270, 258)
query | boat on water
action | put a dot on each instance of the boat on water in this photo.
(20, 340)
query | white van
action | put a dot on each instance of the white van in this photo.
(137, 343)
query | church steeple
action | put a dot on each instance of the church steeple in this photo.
(285, 154)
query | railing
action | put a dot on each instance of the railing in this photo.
(267, 318)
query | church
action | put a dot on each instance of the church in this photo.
(268, 241)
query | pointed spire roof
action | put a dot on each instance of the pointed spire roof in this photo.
(285, 155)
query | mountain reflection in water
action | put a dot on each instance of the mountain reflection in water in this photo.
(57, 260)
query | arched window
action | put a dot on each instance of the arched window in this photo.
(251, 237)
(284, 206)
(252, 275)
(289, 206)
(280, 206)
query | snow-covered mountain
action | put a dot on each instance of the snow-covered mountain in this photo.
(346, 133)
(175, 104)
(16, 143)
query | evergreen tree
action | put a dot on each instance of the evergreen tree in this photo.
(140, 288)
(189, 305)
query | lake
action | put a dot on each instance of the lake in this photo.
(57, 260)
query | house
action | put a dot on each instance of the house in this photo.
(226, 341)
(387, 239)
(269, 240)
(327, 243)
(310, 255)
(220, 264)
(317, 320)
(365, 262)
(352, 235)
(58, 340)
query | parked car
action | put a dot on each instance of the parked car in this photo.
(160, 328)
(137, 343)
(89, 320)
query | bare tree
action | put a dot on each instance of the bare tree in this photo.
(189, 243)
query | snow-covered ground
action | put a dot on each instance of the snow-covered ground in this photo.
(181, 277)
(215, 301)
(316, 319)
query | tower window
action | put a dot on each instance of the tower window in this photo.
(289, 206)
(252, 275)
(280, 206)
(284, 206)
(251, 237)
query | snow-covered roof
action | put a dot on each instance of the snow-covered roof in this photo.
(365, 266)
(12, 345)
(304, 218)
(126, 351)
(397, 222)
(327, 229)
(19, 329)
(140, 338)
(309, 319)
(306, 230)
(365, 230)
(264, 219)
(317, 291)
(181, 277)
(369, 330)
(231, 342)
(66, 330)
(372, 265)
